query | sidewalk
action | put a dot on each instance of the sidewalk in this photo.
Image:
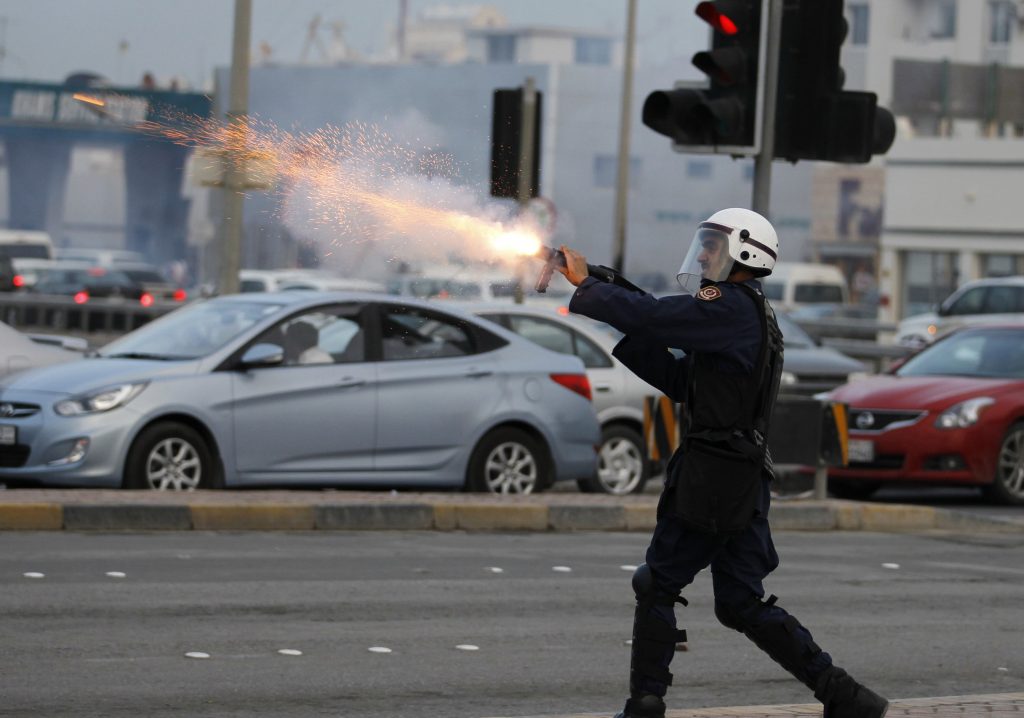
(998, 705)
(115, 510)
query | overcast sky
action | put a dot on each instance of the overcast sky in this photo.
(45, 40)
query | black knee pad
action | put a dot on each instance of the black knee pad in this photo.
(647, 591)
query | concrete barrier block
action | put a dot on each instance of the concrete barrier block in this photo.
(252, 518)
(847, 515)
(878, 517)
(31, 517)
(794, 517)
(375, 516)
(586, 518)
(640, 518)
(445, 518)
(962, 521)
(126, 517)
(495, 517)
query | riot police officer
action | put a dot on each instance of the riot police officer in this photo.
(713, 510)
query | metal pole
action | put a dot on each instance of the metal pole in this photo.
(234, 175)
(761, 200)
(528, 112)
(622, 177)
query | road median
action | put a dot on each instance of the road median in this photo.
(110, 510)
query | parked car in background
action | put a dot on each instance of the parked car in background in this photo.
(997, 299)
(300, 388)
(100, 257)
(809, 368)
(952, 414)
(85, 283)
(795, 284)
(7, 274)
(623, 466)
(18, 352)
(153, 283)
(25, 244)
(323, 282)
(266, 280)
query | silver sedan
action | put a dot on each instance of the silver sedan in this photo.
(304, 389)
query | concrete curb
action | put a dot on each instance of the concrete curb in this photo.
(309, 511)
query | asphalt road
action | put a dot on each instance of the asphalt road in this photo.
(942, 618)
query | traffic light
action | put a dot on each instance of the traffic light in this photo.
(725, 117)
(816, 119)
(506, 137)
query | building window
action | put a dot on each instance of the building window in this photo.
(1001, 15)
(698, 169)
(593, 51)
(1000, 265)
(858, 19)
(945, 20)
(501, 48)
(606, 169)
(928, 278)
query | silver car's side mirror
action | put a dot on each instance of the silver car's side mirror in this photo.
(260, 355)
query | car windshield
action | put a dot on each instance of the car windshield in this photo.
(190, 332)
(988, 353)
(792, 335)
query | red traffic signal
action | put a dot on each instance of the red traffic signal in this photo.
(716, 17)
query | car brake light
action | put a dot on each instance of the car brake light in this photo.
(574, 382)
(18, 281)
(180, 295)
(564, 311)
(81, 297)
(146, 299)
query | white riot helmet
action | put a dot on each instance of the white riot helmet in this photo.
(729, 236)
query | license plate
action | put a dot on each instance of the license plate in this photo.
(8, 435)
(861, 450)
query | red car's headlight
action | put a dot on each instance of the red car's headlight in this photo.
(964, 414)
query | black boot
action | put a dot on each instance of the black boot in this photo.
(646, 706)
(844, 697)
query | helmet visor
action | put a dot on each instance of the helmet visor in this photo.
(708, 259)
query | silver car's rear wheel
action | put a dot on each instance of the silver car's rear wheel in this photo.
(170, 457)
(508, 461)
(621, 463)
(1008, 484)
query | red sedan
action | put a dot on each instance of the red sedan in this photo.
(952, 414)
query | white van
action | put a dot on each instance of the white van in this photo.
(797, 284)
(25, 244)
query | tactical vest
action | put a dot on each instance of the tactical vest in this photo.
(725, 433)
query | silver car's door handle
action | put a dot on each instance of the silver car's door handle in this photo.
(602, 387)
(475, 373)
(349, 381)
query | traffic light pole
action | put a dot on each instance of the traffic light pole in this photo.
(234, 179)
(622, 177)
(761, 200)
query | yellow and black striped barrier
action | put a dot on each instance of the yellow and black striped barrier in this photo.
(661, 427)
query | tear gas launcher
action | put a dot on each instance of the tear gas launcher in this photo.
(554, 258)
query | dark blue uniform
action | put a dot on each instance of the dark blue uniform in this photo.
(724, 325)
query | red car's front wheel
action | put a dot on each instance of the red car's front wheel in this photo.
(1007, 486)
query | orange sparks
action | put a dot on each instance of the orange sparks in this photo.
(356, 182)
(89, 99)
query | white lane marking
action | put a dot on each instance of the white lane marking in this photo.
(289, 652)
(33, 574)
(116, 574)
(197, 654)
(467, 647)
(379, 649)
(561, 569)
(893, 566)
(495, 569)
